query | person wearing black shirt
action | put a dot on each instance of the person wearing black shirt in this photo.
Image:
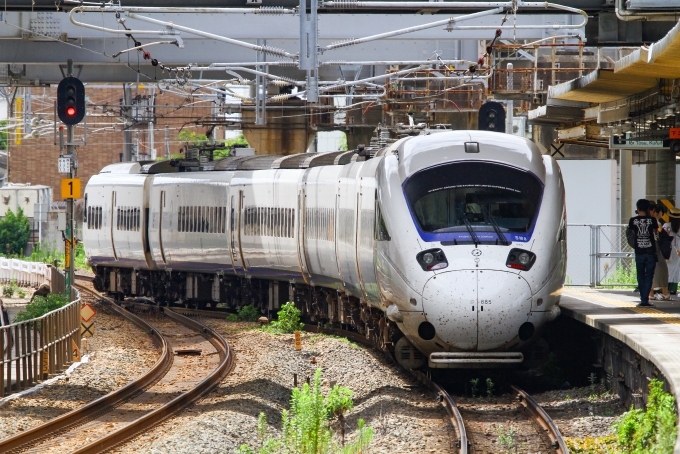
(645, 228)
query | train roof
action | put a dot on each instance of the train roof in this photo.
(428, 150)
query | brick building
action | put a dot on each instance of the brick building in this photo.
(34, 160)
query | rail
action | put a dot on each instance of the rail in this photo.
(543, 419)
(180, 402)
(108, 401)
(35, 349)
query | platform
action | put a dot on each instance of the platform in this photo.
(652, 333)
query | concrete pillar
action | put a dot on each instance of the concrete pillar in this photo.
(626, 179)
(660, 175)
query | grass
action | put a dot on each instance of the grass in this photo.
(623, 276)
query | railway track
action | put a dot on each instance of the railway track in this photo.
(167, 388)
(463, 444)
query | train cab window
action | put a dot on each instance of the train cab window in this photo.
(474, 195)
(381, 233)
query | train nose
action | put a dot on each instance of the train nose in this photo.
(477, 309)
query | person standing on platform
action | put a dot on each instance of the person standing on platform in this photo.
(673, 229)
(661, 271)
(643, 227)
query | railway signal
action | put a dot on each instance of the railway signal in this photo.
(71, 101)
(491, 117)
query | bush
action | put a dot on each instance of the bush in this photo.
(248, 314)
(7, 291)
(288, 320)
(651, 431)
(41, 305)
(305, 426)
(15, 231)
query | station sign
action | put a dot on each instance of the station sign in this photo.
(623, 143)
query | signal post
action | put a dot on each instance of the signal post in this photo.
(71, 111)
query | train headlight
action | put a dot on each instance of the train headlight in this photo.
(520, 259)
(432, 259)
(524, 258)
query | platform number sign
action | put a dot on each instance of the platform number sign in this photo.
(70, 188)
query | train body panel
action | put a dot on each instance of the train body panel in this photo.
(455, 240)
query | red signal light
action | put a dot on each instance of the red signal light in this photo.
(70, 111)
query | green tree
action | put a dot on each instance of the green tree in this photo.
(15, 230)
(4, 137)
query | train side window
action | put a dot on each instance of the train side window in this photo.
(381, 233)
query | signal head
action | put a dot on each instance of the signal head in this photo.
(71, 101)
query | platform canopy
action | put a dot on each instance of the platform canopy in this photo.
(633, 74)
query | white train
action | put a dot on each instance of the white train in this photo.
(452, 242)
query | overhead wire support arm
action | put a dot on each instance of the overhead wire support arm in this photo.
(236, 42)
(174, 29)
(416, 28)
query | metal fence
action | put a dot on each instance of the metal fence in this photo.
(599, 255)
(32, 274)
(35, 349)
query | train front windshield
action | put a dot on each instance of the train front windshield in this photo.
(474, 195)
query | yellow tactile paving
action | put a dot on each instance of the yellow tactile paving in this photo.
(665, 317)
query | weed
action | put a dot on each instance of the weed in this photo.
(567, 397)
(592, 445)
(232, 318)
(7, 291)
(650, 431)
(474, 386)
(305, 426)
(339, 402)
(248, 314)
(489, 387)
(41, 305)
(288, 320)
(21, 293)
(508, 439)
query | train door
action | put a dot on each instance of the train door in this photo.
(113, 221)
(494, 320)
(236, 210)
(161, 209)
(301, 235)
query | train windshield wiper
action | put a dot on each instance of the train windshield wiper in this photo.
(488, 218)
(468, 226)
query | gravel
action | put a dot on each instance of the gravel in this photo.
(405, 417)
(582, 412)
(118, 354)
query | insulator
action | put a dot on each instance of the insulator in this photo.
(345, 4)
(271, 10)
(343, 43)
(279, 98)
(282, 83)
(273, 51)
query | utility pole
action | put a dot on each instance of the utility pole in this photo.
(127, 123)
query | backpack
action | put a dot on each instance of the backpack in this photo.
(665, 242)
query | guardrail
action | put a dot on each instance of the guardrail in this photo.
(25, 273)
(35, 349)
